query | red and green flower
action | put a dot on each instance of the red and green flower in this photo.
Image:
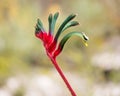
(50, 41)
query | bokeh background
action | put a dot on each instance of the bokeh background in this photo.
(25, 70)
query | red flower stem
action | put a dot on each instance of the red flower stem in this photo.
(62, 75)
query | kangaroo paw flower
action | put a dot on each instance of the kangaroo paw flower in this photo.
(52, 46)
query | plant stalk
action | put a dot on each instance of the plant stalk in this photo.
(62, 75)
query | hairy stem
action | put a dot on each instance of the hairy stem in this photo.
(62, 75)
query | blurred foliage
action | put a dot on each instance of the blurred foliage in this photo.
(20, 51)
(19, 92)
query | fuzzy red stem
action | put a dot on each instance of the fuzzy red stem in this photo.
(62, 75)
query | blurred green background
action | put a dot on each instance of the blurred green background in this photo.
(92, 70)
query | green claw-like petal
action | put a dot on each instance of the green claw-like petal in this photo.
(66, 37)
(50, 23)
(54, 20)
(70, 24)
(40, 25)
(68, 19)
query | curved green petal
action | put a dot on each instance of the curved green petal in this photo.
(68, 19)
(39, 26)
(66, 37)
(54, 20)
(70, 24)
(37, 29)
(50, 23)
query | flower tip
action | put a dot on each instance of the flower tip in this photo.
(38, 19)
(57, 12)
(73, 15)
(85, 37)
(76, 14)
(78, 23)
